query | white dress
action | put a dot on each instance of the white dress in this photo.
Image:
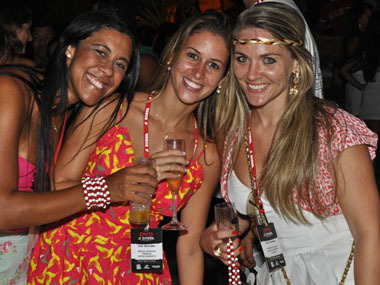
(370, 107)
(314, 254)
(353, 96)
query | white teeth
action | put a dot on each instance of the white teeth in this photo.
(94, 81)
(192, 84)
(257, 86)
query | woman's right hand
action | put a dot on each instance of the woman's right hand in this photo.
(211, 242)
(125, 183)
(168, 162)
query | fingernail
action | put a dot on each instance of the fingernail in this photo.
(241, 248)
(238, 239)
(234, 233)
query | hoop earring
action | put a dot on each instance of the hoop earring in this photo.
(294, 86)
(219, 89)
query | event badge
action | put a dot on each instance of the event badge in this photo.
(271, 247)
(146, 250)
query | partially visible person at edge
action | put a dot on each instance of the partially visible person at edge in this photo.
(310, 44)
(96, 56)
(15, 22)
(190, 77)
(311, 160)
(43, 32)
(352, 56)
(370, 105)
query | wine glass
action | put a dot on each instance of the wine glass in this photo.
(174, 185)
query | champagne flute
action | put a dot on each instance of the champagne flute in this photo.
(174, 185)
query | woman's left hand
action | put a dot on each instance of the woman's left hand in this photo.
(169, 164)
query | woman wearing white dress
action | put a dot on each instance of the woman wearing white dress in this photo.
(294, 160)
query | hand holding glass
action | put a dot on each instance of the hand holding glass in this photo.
(139, 214)
(226, 217)
(174, 185)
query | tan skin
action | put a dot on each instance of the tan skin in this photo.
(22, 209)
(201, 62)
(353, 166)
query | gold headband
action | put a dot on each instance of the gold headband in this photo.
(266, 41)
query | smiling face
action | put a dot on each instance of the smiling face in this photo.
(97, 66)
(23, 34)
(199, 67)
(263, 71)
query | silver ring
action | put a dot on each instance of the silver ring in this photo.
(217, 251)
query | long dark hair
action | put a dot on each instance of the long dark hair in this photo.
(55, 90)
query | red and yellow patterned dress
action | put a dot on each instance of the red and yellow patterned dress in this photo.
(95, 247)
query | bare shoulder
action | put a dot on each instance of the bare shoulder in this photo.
(24, 61)
(14, 93)
(140, 98)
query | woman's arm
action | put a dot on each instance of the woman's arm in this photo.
(348, 68)
(359, 199)
(81, 143)
(194, 216)
(23, 209)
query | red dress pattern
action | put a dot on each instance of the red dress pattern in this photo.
(94, 247)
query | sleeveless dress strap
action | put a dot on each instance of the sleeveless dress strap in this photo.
(60, 139)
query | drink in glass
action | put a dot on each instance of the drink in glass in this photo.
(139, 214)
(174, 186)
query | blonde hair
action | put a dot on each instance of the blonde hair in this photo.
(293, 156)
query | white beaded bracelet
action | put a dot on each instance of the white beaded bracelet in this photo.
(96, 193)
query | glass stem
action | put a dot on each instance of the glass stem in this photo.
(174, 208)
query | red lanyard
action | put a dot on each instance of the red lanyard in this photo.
(146, 129)
(253, 167)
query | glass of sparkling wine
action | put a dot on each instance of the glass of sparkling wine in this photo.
(174, 185)
(139, 214)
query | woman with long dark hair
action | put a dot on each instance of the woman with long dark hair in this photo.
(96, 57)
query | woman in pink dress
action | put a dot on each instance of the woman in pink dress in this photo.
(95, 50)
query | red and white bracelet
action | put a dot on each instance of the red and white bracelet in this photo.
(233, 265)
(96, 193)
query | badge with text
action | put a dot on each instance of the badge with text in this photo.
(146, 250)
(271, 246)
